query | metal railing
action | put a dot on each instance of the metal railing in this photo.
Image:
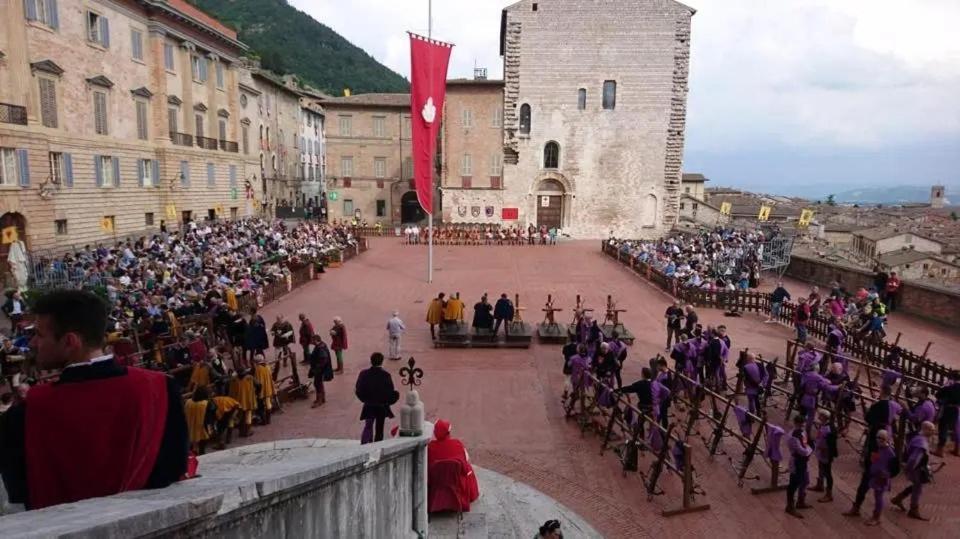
(207, 143)
(181, 139)
(229, 146)
(13, 114)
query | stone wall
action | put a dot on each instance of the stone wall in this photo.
(286, 489)
(619, 168)
(923, 300)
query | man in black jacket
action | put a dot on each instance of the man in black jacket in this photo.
(777, 298)
(503, 313)
(375, 390)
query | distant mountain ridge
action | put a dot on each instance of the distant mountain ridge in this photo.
(906, 194)
(288, 40)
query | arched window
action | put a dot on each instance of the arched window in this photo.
(525, 119)
(261, 133)
(609, 94)
(649, 214)
(551, 155)
(274, 162)
(268, 136)
(581, 99)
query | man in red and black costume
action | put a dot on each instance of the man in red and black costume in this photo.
(100, 429)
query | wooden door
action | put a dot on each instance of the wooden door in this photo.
(549, 210)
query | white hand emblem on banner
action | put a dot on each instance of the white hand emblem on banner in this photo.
(429, 111)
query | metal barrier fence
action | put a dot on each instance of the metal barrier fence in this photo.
(870, 351)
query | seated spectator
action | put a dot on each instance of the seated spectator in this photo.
(451, 483)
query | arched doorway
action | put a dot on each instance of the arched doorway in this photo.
(410, 210)
(550, 203)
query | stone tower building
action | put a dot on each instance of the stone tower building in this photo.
(595, 96)
(937, 196)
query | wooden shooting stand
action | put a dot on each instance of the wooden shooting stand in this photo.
(579, 312)
(459, 335)
(549, 330)
(611, 323)
(453, 332)
(520, 332)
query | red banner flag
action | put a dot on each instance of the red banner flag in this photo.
(428, 86)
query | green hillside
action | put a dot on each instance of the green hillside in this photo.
(288, 40)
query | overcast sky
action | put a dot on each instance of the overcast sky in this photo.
(785, 95)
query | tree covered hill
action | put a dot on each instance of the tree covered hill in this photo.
(288, 40)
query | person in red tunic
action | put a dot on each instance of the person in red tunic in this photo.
(451, 483)
(101, 428)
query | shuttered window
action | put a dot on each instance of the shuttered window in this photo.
(496, 164)
(211, 175)
(8, 167)
(380, 167)
(172, 113)
(223, 129)
(98, 29)
(466, 165)
(142, 132)
(44, 11)
(199, 124)
(136, 44)
(220, 75)
(244, 138)
(100, 113)
(168, 61)
(48, 102)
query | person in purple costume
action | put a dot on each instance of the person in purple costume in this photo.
(800, 452)
(917, 456)
(825, 448)
(754, 377)
(880, 466)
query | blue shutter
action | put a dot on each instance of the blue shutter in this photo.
(211, 180)
(104, 32)
(116, 172)
(97, 161)
(233, 176)
(23, 159)
(68, 170)
(184, 173)
(156, 172)
(140, 171)
(30, 8)
(53, 14)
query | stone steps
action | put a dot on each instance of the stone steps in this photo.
(471, 525)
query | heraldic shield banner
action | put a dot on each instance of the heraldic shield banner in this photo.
(428, 84)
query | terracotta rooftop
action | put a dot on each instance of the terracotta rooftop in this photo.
(371, 100)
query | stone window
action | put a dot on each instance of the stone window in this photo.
(682, 206)
(219, 71)
(222, 126)
(61, 227)
(198, 123)
(107, 169)
(172, 113)
(211, 175)
(199, 68)
(148, 219)
(525, 119)
(551, 155)
(10, 166)
(245, 139)
(466, 165)
(380, 167)
(346, 166)
(233, 213)
(100, 119)
(44, 11)
(136, 44)
(406, 127)
(148, 170)
(379, 126)
(141, 107)
(496, 164)
(582, 99)
(609, 94)
(98, 29)
(346, 126)
(498, 116)
(381, 208)
(407, 168)
(56, 168)
(467, 117)
(48, 102)
(348, 207)
(168, 58)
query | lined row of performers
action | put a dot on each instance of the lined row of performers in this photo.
(482, 235)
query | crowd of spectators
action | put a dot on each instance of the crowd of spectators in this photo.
(719, 258)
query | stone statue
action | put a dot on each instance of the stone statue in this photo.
(17, 258)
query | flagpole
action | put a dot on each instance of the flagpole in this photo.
(430, 213)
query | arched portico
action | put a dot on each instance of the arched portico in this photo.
(551, 195)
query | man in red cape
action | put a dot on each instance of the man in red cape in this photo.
(451, 483)
(101, 428)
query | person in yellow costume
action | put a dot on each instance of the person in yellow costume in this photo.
(227, 410)
(265, 388)
(242, 390)
(200, 376)
(453, 313)
(201, 417)
(174, 324)
(231, 296)
(435, 313)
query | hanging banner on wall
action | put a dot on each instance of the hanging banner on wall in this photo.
(510, 214)
(428, 84)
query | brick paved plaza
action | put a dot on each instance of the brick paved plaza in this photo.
(505, 404)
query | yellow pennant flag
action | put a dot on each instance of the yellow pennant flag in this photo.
(346, 92)
(218, 209)
(725, 208)
(764, 213)
(805, 217)
(10, 235)
(171, 211)
(106, 224)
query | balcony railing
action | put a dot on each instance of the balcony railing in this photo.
(181, 139)
(229, 146)
(13, 114)
(207, 143)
